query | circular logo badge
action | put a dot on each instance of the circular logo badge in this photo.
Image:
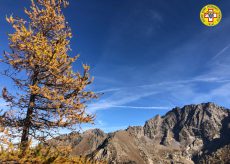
(210, 15)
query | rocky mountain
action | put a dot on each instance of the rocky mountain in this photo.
(192, 134)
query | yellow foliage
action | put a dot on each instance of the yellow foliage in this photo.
(43, 155)
(52, 95)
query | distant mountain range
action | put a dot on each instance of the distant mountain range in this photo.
(192, 134)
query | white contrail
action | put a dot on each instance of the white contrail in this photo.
(140, 107)
(221, 52)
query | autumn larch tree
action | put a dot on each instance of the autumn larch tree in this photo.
(51, 95)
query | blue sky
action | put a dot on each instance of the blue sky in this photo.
(147, 56)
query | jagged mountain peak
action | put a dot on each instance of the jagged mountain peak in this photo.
(202, 121)
(97, 132)
(185, 134)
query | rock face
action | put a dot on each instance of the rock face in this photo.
(82, 144)
(192, 134)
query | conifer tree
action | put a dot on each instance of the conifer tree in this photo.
(51, 95)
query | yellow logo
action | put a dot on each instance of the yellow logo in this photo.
(210, 15)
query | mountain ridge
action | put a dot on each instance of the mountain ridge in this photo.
(190, 134)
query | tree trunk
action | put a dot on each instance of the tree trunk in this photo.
(26, 128)
(28, 119)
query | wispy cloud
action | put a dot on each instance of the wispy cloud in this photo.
(180, 90)
(120, 98)
(196, 79)
(109, 90)
(221, 52)
(141, 107)
(186, 75)
(156, 16)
